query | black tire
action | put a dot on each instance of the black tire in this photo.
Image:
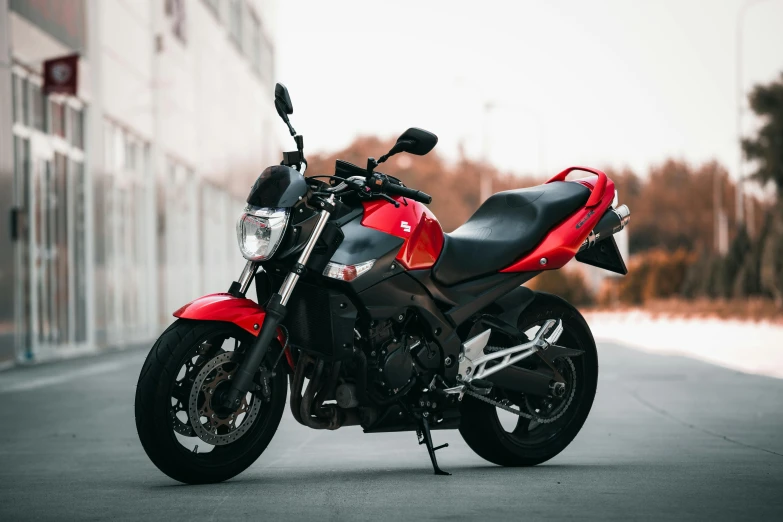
(480, 426)
(153, 404)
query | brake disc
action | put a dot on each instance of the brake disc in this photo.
(181, 391)
(208, 424)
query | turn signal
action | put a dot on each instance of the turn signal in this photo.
(347, 272)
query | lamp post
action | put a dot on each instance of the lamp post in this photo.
(489, 106)
(485, 184)
(485, 187)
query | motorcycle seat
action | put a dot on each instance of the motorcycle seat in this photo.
(506, 226)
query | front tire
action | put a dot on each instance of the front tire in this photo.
(529, 443)
(166, 383)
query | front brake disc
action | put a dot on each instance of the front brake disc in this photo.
(208, 424)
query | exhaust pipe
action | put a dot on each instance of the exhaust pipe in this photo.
(613, 221)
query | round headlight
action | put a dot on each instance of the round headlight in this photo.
(260, 230)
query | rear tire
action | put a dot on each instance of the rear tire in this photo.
(480, 426)
(154, 419)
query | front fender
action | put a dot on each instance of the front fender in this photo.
(243, 312)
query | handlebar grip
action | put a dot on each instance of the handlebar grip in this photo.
(405, 192)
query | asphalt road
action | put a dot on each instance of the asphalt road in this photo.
(668, 438)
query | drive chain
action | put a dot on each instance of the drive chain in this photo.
(520, 413)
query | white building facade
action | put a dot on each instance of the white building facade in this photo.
(119, 203)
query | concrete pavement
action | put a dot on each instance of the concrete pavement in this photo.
(668, 438)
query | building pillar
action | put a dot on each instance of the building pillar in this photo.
(94, 160)
(8, 291)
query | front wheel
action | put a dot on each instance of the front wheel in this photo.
(547, 424)
(181, 425)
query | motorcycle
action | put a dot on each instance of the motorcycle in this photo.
(374, 317)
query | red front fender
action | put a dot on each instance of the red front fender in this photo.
(245, 313)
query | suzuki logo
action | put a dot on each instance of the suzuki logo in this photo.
(405, 226)
(584, 220)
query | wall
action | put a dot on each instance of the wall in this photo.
(179, 122)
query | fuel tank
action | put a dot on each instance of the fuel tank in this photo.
(413, 222)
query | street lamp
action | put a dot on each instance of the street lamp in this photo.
(489, 106)
(485, 187)
(485, 184)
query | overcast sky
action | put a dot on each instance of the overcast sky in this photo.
(592, 82)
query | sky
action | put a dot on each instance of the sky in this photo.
(569, 82)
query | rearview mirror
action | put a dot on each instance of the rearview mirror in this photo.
(284, 106)
(413, 141)
(283, 102)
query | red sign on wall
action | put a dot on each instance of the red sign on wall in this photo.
(61, 75)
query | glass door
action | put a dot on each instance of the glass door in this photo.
(50, 231)
(23, 288)
(43, 244)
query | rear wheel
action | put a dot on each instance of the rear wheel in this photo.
(547, 424)
(181, 425)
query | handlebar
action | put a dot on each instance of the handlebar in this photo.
(376, 184)
(399, 190)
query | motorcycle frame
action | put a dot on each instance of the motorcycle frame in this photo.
(411, 286)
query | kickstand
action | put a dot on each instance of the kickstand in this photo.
(426, 438)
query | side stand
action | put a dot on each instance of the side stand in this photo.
(426, 438)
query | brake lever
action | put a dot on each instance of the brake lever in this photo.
(390, 200)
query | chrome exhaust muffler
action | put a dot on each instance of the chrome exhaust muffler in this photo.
(613, 221)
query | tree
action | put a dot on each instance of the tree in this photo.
(767, 147)
(772, 260)
(673, 207)
(453, 186)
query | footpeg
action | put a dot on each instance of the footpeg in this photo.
(481, 386)
(425, 437)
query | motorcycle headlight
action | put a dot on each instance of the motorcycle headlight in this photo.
(260, 230)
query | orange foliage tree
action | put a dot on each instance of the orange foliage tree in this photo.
(454, 187)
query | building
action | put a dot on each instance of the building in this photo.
(118, 204)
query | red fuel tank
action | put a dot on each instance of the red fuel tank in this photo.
(414, 223)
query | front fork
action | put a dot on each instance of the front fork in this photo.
(275, 311)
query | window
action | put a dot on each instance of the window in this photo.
(57, 115)
(79, 251)
(127, 226)
(15, 91)
(76, 118)
(37, 108)
(131, 154)
(20, 100)
(235, 21)
(50, 206)
(181, 238)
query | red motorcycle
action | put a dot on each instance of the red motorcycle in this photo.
(376, 318)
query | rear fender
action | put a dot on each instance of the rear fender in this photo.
(514, 303)
(604, 254)
(243, 312)
(561, 244)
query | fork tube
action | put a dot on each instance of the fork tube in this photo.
(275, 313)
(290, 281)
(247, 276)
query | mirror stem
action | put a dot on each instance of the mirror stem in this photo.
(290, 127)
